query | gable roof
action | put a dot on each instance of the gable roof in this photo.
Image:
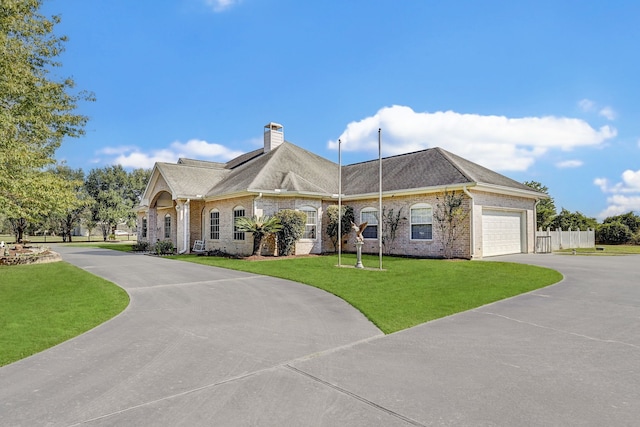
(188, 180)
(287, 168)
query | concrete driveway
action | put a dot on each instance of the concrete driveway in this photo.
(205, 346)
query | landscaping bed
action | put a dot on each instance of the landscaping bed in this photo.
(24, 254)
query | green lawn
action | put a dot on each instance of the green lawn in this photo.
(42, 305)
(608, 250)
(410, 291)
(116, 246)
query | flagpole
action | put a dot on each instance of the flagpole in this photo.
(380, 219)
(339, 203)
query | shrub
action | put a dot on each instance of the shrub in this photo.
(293, 223)
(635, 239)
(613, 233)
(141, 246)
(164, 247)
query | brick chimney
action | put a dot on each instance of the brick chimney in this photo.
(273, 136)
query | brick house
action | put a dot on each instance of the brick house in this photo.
(199, 200)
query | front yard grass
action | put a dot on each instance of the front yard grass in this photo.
(42, 305)
(606, 250)
(409, 291)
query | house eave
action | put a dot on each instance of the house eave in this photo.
(408, 192)
(510, 191)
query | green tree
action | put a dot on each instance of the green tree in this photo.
(293, 224)
(572, 220)
(70, 217)
(28, 212)
(546, 209)
(613, 233)
(629, 219)
(114, 194)
(346, 218)
(259, 227)
(37, 111)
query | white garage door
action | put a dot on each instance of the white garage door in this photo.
(501, 232)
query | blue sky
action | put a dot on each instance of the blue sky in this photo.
(537, 90)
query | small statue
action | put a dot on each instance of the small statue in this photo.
(359, 229)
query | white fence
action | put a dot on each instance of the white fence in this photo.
(548, 240)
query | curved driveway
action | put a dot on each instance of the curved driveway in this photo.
(206, 346)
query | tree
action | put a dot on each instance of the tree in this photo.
(28, 212)
(293, 224)
(346, 218)
(36, 111)
(613, 233)
(629, 219)
(75, 211)
(546, 209)
(390, 223)
(572, 220)
(115, 194)
(259, 227)
(450, 217)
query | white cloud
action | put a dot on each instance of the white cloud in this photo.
(221, 5)
(110, 151)
(569, 164)
(620, 204)
(129, 156)
(497, 142)
(625, 194)
(608, 113)
(586, 105)
(589, 106)
(630, 183)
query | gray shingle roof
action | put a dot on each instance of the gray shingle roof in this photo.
(190, 181)
(432, 167)
(289, 168)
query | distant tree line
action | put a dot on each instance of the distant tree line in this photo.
(104, 198)
(619, 229)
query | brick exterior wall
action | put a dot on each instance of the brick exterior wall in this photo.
(259, 206)
(403, 244)
(466, 246)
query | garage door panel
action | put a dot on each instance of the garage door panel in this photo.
(501, 232)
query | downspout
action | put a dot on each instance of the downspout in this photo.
(185, 225)
(472, 240)
(535, 224)
(255, 205)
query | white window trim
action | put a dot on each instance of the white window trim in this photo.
(165, 226)
(375, 211)
(234, 232)
(210, 228)
(420, 206)
(306, 209)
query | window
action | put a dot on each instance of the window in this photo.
(370, 216)
(311, 224)
(421, 222)
(214, 225)
(144, 227)
(167, 226)
(237, 213)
